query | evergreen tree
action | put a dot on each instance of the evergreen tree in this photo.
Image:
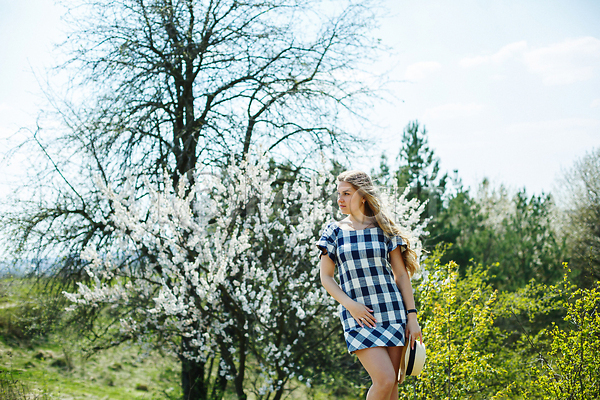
(418, 170)
(419, 167)
(514, 236)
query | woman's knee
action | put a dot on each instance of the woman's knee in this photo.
(386, 381)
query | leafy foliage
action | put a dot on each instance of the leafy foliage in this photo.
(571, 369)
(457, 316)
(27, 311)
(11, 388)
(514, 235)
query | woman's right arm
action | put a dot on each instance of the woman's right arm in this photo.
(360, 312)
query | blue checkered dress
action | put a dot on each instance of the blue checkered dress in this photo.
(362, 260)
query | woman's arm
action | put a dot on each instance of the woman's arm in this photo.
(413, 330)
(361, 313)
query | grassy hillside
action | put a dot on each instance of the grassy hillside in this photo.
(40, 358)
(57, 368)
(54, 371)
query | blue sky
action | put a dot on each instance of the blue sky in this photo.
(508, 90)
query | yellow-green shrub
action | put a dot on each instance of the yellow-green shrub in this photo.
(571, 369)
(457, 319)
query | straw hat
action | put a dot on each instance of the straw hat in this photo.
(413, 360)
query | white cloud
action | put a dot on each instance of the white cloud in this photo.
(563, 63)
(562, 128)
(453, 110)
(566, 62)
(504, 54)
(595, 103)
(418, 71)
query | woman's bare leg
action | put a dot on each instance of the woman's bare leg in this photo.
(377, 362)
(395, 357)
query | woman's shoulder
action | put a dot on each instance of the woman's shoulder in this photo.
(331, 225)
(330, 228)
(396, 240)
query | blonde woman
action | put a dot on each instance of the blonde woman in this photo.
(375, 264)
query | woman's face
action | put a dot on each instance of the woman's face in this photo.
(348, 198)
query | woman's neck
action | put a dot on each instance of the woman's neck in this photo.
(360, 220)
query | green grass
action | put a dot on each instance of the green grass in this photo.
(112, 374)
(48, 362)
(33, 358)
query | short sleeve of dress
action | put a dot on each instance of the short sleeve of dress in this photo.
(328, 241)
(394, 242)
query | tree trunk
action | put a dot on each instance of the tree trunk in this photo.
(218, 390)
(239, 379)
(192, 380)
(281, 390)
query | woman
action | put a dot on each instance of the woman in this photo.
(375, 264)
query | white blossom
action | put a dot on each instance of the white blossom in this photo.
(197, 270)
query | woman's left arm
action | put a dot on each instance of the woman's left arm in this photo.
(413, 330)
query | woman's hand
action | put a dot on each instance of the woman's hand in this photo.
(413, 330)
(362, 314)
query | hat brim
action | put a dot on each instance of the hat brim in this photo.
(414, 359)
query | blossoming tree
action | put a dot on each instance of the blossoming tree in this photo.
(222, 271)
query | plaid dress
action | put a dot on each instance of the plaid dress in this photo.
(365, 275)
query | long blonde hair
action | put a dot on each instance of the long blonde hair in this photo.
(374, 207)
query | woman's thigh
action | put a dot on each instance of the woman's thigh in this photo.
(395, 354)
(378, 363)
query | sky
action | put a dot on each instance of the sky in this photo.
(508, 90)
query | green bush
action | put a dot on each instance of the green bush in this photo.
(571, 369)
(13, 389)
(28, 311)
(463, 345)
